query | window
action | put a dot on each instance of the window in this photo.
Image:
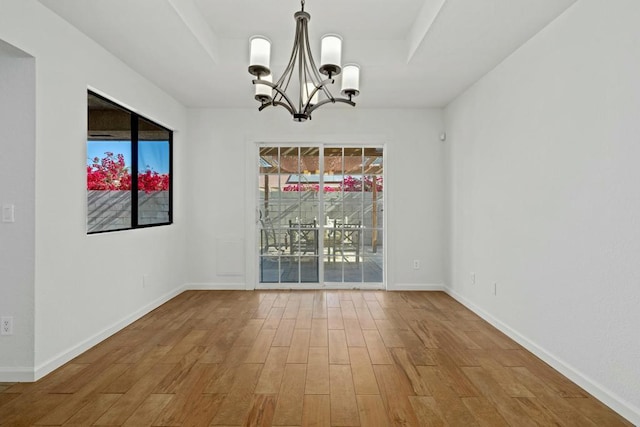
(129, 169)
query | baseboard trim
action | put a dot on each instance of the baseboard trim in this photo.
(320, 287)
(65, 356)
(215, 287)
(606, 396)
(16, 375)
(416, 287)
(277, 286)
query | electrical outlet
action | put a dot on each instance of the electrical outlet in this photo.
(416, 264)
(145, 280)
(8, 213)
(6, 325)
(495, 288)
(473, 278)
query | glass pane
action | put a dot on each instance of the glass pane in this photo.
(108, 166)
(372, 271)
(333, 270)
(353, 161)
(372, 242)
(272, 240)
(309, 269)
(269, 160)
(373, 203)
(290, 207)
(304, 238)
(333, 178)
(289, 160)
(301, 202)
(290, 269)
(352, 271)
(154, 153)
(369, 186)
(310, 163)
(333, 161)
(306, 208)
(352, 208)
(347, 241)
(269, 269)
(373, 161)
(333, 207)
(270, 203)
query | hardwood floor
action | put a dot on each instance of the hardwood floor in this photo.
(315, 358)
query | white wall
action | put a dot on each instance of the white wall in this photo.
(87, 286)
(222, 158)
(545, 200)
(17, 189)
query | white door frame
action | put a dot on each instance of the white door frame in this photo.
(252, 258)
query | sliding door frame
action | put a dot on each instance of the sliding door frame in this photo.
(253, 237)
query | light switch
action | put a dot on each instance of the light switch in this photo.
(8, 213)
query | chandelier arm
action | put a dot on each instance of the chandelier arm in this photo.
(282, 94)
(326, 101)
(275, 103)
(308, 107)
(305, 93)
(313, 67)
(308, 63)
(294, 53)
(291, 107)
(285, 78)
(284, 85)
(305, 96)
(302, 61)
(307, 46)
(283, 82)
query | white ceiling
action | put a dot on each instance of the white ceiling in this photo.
(412, 53)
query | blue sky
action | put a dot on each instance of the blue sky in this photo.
(152, 154)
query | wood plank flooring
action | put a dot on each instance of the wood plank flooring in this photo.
(313, 358)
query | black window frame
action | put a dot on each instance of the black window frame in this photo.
(135, 119)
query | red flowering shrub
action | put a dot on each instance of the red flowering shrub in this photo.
(348, 184)
(308, 187)
(354, 184)
(153, 181)
(110, 173)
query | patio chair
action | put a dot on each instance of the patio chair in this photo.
(345, 239)
(269, 239)
(303, 237)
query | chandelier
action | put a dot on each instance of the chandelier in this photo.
(311, 84)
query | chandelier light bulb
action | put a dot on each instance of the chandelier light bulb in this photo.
(309, 87)
(264, 93)
(351, 80)
(259, 56)
(331, 54)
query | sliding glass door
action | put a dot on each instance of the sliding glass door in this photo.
(320, 216)
(289, 228)
(353, 212)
